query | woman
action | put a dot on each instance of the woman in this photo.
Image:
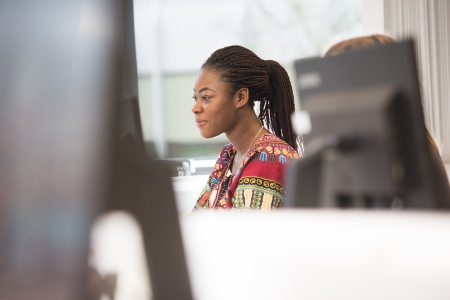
(249, 172)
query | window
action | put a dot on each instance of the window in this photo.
(174, 37)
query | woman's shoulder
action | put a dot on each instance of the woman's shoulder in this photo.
(226, 152)
(222, 164)
(273, 144)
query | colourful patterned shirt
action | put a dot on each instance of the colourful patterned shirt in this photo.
(259, 182)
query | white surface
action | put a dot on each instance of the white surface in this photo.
(292, 254)
(373, 16)
(187, 189)
(319, 255)
(447, 169)
(301, 121)
(117, 248)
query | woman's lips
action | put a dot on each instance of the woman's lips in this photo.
(200, 123)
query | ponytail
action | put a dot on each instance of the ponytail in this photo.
(277, 110)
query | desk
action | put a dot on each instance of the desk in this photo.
(187, 190)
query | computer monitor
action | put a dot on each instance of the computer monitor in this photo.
(130, 127)
(61, 164)
(368, 146)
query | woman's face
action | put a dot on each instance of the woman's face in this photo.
(214, 107)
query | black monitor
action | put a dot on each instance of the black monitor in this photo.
(368, 146)
(130, 126)
(63, 73)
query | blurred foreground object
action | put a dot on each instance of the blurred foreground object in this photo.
(368, 146)
(320, 254)
(64, 69)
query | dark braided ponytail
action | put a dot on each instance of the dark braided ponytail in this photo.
(267, 82)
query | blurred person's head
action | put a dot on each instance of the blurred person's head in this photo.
(359, 43)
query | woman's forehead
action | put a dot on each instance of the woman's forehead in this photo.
(210, 79)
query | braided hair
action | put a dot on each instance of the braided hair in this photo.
(267, 82)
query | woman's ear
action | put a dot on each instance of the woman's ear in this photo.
(241, 97)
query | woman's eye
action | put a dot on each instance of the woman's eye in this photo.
(206, 98)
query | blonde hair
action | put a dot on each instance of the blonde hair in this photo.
(359, 43)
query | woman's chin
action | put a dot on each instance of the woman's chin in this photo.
(207, 135)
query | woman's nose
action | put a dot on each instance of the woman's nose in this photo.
(197, 107)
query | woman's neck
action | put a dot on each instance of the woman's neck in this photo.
(245, 134)
(244, 147)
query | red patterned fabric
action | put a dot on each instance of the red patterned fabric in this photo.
(258, 184)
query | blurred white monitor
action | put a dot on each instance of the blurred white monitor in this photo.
(319, 254)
